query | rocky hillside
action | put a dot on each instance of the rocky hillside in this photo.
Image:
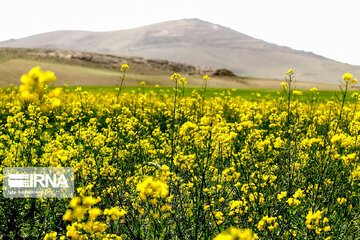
(138, 64)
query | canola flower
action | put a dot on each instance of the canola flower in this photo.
(175, 77)
(152, 188)
(271, 223)
(115, 213)
(284, 84)
(34, 89)
(34, 82)
(236, 234)
(50, 236)
(281, 195)
(296, 92)
(341, 200)
(290, 72)
(313, 222)
(349, 78)
(206, 77)
(124, 67)
(314, 89)
(149, 167)
(83, 217)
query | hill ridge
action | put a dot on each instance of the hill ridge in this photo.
(197, 42)
(106, 61)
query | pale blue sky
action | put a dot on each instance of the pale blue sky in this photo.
(329, 28)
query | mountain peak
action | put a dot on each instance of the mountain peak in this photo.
(193, 19)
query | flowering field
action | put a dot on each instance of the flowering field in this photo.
(161, 165)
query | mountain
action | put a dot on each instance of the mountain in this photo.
(200, 43)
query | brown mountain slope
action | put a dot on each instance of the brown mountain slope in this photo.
(200, 43)
(81, 68)
(76, 68)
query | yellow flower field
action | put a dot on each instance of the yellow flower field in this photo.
(165, 166)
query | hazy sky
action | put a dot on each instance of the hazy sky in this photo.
(329, 28)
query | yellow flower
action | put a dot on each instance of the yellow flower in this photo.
(94, 213)
(182, 81)
(115, 212)
(236, 234)
(153, 202)
(89, 201)
(341, 200)
(33, 83)
(175, 77)
(268, 220)
(55, 103)
(75, 201)
(26, 80)
(284, 84)
(281, 195)
(67, 215)
(142, 196)
(347, 77)
(313, 216)
(124, 67)
(327, 229)
(166, 207)
(55, 93)
(152, 187)
(79, 213)
(206, 207)
(314, 89)
(293, 201)
(318, 230)
(46, 77)
(293, 232)
(295, 92)
(156, 215)
(299, 194)
(50, 236)
(27, 96)
(206, 77)
(290, 72)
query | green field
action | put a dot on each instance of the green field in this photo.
(248, 94)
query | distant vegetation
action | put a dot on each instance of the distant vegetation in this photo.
(246, 94)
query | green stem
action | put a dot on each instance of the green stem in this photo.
(121, 84)
(173, 124)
